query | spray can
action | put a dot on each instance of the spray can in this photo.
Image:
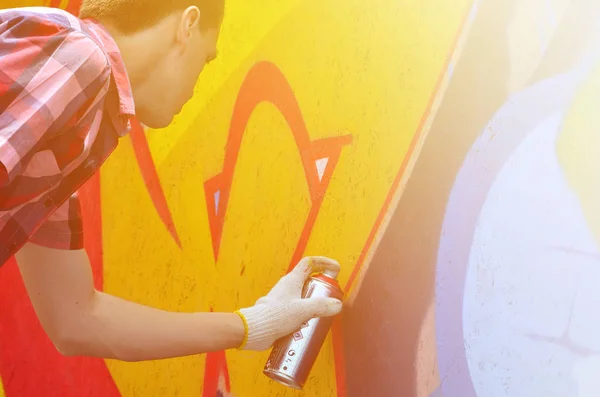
(293, 356)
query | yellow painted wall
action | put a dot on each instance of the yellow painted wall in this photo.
(578, 149)
(371, 71)
(368, 70)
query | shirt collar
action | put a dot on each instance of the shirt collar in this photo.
(126, 108)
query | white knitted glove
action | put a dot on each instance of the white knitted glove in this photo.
(283, 311)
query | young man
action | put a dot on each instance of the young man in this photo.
(68, 89)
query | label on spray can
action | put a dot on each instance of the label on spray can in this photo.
(293, 356)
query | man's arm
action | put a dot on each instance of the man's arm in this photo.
(82, 321)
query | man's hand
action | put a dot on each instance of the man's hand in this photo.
(283, 311)
(84, 322)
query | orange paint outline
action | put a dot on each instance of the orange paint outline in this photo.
(73, 6)
(339, 361)
(408, 157)
(215, 367)
(151, 179)
(266, 83)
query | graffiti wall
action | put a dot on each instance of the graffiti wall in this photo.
(484, 282)
(445, 152)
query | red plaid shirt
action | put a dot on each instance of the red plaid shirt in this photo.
(65, 100)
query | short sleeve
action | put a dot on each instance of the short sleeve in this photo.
(63, 229)
(50, 76)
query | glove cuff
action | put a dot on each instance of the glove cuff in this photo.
(259, 334)
(245, 321)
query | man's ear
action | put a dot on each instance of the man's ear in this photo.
(190, 20)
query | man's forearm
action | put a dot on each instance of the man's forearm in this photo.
(115, 328)
(81, 321)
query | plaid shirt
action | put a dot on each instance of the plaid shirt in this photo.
(65, 100)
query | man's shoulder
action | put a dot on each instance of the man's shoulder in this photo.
(41, 15)
(45, 27)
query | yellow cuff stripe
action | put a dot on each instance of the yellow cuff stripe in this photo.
(245, 329)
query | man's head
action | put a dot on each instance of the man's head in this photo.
(165, 45)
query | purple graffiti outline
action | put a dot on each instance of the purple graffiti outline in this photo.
(480, 168)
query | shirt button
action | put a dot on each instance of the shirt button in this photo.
(48, 202)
